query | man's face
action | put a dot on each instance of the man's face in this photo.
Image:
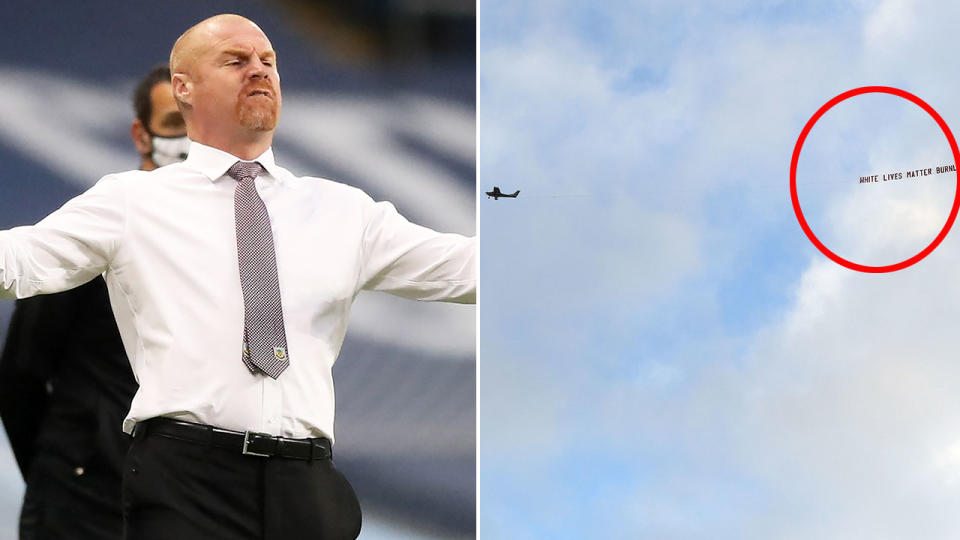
(165, 119)
(235, 78)
(164, 139)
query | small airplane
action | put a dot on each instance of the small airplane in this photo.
(496, 194)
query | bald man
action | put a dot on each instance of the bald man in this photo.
(231, 280)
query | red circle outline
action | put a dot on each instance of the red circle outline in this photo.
(796, 158)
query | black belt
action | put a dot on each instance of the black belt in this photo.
(245, 442)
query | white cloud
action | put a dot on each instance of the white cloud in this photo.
(891, 23)
(850, 398)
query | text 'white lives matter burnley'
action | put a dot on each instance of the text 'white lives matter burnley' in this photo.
(900, 175)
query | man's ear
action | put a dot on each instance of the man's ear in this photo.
(141, 139)
(182, 88)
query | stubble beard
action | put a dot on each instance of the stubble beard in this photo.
(257, 116)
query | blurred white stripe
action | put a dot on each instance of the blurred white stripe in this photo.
(357, 135)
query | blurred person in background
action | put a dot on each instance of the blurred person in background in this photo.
(65, 381)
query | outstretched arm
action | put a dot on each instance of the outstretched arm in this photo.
(416, 262)
(67, 248)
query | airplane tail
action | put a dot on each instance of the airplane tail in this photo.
(515, 193)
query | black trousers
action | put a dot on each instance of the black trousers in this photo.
(181, 490)
(64, 502)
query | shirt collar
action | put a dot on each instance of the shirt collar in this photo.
(213, 162)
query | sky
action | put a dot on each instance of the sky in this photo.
(662, 353)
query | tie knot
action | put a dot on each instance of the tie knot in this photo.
(242, 170)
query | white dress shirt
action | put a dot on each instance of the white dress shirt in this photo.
(166, 243)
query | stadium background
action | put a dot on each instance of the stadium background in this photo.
(380, 95)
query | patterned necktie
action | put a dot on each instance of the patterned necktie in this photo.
(264, 339)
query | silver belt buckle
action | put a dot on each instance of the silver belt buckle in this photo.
(246, 441)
